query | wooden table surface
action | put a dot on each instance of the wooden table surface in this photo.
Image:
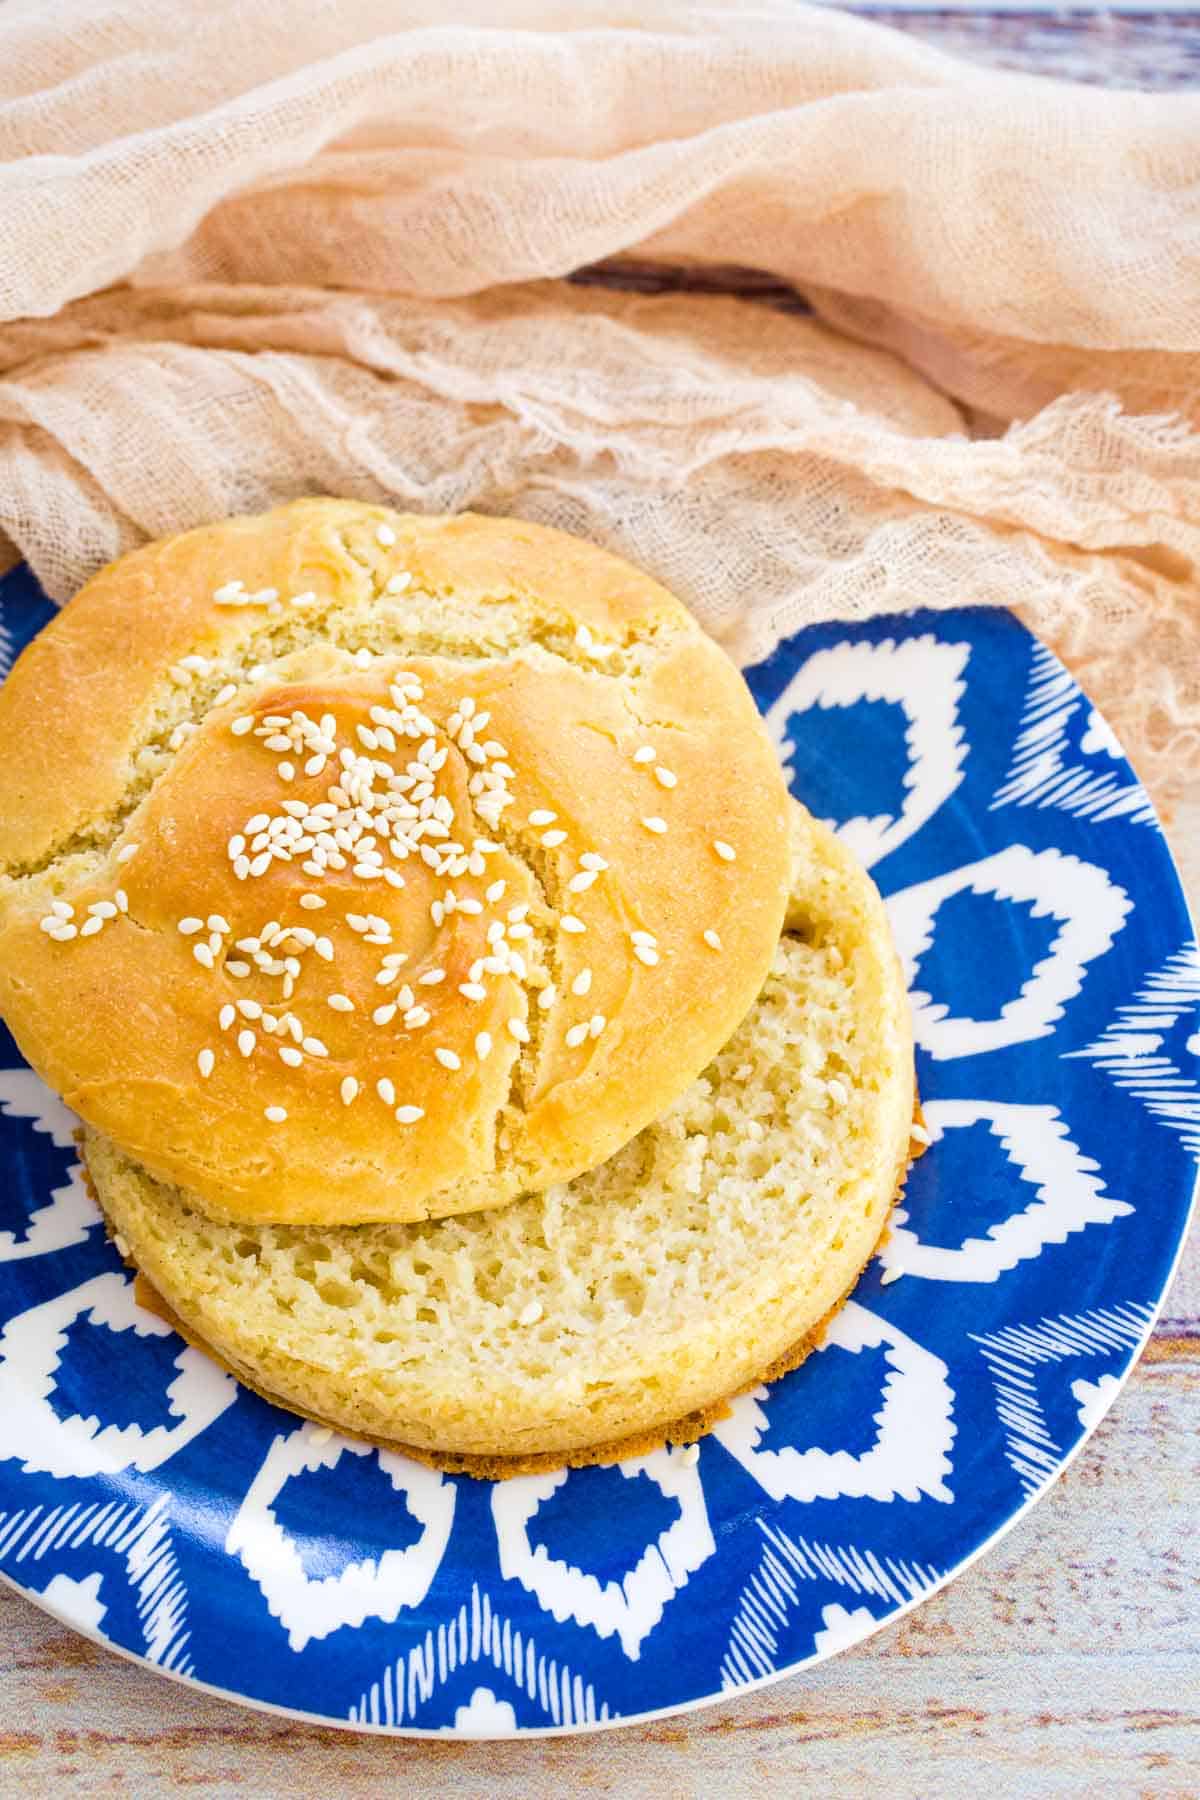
(1066, 1662)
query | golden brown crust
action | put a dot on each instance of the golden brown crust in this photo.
(121, 1023)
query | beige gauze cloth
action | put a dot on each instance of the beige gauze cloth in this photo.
(252, 249)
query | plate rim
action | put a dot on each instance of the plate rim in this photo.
(587, 1728)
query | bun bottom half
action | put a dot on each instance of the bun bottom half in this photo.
(612, 1313)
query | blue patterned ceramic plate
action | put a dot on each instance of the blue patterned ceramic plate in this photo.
(148, 1500)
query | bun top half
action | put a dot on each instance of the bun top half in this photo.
(369, 867)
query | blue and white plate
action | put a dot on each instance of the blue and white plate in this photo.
(148, 1500)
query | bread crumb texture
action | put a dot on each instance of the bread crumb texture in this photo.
(616, 1308)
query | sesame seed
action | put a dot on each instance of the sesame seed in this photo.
(122, 900)
(394, 877)
(190, 925)
(62, 909)
(472, 990)
(62, 934)
(596, 1024)
(519, 932)
(386, 1091)
(655, 824)
(203, 955)
(249, 1009)
(582, 982)
(646, 754)
(227, 1015)
(690, 1456)
(230, 594)
(590, 860)
(195, 665)
(552, 839)
(496, 891)
(712, 939)
(91, 928)
(483, 1045)
(530, 1314)
(385, 536)
(646, 953)
(129, 851)
(542, 817)
(547, 997)
(396, 584)
(919, 1135)
(571, 924)
(259, 822)
(286, 771)
(348, 1090)
(324, 948)
(311, 902)
(576, 1035)
(517, 1028)
(579, 884)
(260, 864)
(357, 922)
(239, 970)
(315, 1047)
(431, 978)
(890, 1275)
(235, 846)
(664, 777)
(725, 851)
(383, 1015)
(408, 1115)
(290, 1055)
(340, 1003)
(217, 923)
(102, 909)
(246, 1041)
(275, 1114)
(240, 726)
(206, 1062)
(449, 1059)
(226, 693)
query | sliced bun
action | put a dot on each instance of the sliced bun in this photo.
(618, 1307)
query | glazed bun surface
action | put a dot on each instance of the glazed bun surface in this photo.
(363, 867)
